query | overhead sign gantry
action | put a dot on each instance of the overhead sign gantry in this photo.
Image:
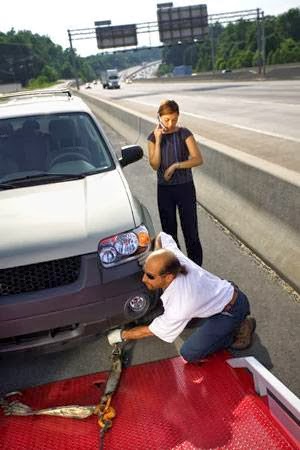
(175, 25)
(183, 24)
(116, 36)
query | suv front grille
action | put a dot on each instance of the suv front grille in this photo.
(39, 335)
(36, 277)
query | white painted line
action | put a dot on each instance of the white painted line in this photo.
(265, 102)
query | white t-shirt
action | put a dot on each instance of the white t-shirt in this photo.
(197, 294)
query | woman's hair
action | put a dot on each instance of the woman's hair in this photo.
(168, 107)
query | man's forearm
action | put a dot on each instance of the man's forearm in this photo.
(136, 333)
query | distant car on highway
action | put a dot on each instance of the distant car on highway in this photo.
(72, 237)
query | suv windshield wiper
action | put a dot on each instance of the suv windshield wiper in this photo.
(14, 182)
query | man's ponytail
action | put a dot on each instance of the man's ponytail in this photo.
(183, 270)
(173, 266)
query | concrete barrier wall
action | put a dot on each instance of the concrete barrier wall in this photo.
(256, 200)
(10, 87)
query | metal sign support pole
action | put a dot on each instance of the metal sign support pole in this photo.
(73, 60)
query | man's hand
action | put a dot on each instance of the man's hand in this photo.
(114, 337)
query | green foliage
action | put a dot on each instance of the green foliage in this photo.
(235, 46)
(288, 52)
(289, 24)
(28, 56)
(86, 72)
(164, 69)
(204, 60)
(67, 71)
(39, 83)
(49, 73)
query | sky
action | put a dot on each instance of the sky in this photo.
(53, 18)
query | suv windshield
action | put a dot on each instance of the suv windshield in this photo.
(68, 144)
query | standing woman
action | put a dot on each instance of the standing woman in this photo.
(173, 152)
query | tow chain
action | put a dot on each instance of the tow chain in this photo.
(103, 410)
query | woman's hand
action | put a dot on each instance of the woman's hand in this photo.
(170, 171)
(158, 132)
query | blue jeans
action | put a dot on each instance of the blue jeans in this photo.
(216, 332)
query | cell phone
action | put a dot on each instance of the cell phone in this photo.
(160, 123)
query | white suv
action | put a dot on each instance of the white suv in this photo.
(72, 236)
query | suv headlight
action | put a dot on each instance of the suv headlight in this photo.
(123, 247)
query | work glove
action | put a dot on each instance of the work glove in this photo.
(114, 337)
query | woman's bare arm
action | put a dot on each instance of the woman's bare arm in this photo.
(154, 151)
(195, 159)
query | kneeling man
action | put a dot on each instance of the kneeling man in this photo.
(191, 292)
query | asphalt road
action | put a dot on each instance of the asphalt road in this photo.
(258, 117)
(274, 304)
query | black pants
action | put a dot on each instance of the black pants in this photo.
(183, 197)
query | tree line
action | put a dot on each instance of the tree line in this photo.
(235, 46)
(34, 60)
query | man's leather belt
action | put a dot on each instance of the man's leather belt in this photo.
(233, 300)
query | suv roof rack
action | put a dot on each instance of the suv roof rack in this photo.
(36, 93)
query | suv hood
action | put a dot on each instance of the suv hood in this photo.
(57, 220)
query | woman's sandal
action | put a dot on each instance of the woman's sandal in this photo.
(243, 338)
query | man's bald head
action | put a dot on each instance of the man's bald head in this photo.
(164, 261)
(160, 269)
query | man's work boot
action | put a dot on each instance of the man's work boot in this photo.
(243, 338)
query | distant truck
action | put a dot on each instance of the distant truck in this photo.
(110, 79)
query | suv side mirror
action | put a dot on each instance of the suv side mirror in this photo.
(130, 154)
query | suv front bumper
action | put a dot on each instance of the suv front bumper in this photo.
(97, 301)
